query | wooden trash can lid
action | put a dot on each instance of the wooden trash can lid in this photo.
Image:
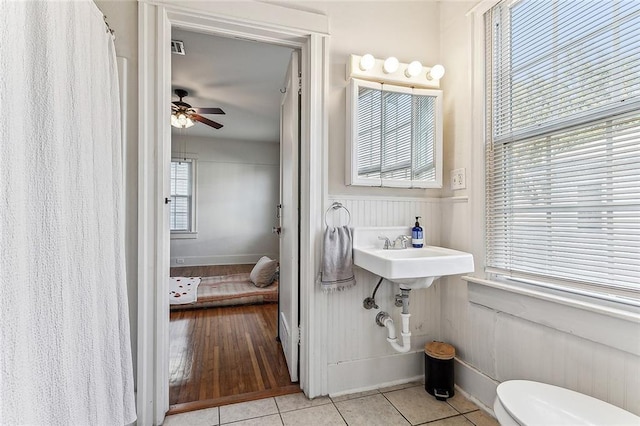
(440, 350)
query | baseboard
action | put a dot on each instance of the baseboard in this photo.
(238, 259)
(373, 373)
(480, 388)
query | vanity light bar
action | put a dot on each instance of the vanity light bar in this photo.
(390, 70)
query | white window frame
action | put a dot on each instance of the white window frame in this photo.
(592, 316)
(598, 291)
(351, 162)
(191, 233)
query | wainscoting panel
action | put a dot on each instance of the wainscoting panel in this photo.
(390, 212)
(526, 350)
(498, 344)
(353, 336)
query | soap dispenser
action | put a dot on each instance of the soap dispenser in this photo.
(417, 238)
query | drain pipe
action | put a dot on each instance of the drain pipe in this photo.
(383, 319)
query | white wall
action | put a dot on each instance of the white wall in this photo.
(500, 346)
(407, 30)
(236, 197)
(500, 334)
(358, 355)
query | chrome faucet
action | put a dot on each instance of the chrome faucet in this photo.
(403, 241)
(387, 242)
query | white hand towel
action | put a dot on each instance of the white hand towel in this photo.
(337, 259)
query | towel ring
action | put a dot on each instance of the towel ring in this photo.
(337, 206)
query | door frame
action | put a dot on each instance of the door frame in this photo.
(256, 21)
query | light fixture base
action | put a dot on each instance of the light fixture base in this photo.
(377, 74)
(181, 93)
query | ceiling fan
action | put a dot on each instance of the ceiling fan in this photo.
(184, 115)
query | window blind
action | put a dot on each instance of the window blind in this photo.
(563, 142)
(425, 134)
(180, 213)
(369, 132)
(396, 140)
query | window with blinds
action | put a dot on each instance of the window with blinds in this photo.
(395, 136)
(181, 211)
(563, 143)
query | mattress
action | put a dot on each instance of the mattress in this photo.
(229, 290)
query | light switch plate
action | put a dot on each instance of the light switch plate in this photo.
(458, 179)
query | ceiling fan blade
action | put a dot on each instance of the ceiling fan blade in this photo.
(209, 111)
(206, 121)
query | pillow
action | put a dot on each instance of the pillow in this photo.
(264, 272)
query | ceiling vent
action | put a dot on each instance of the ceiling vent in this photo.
(177, 47)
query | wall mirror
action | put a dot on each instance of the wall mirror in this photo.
(394, 136)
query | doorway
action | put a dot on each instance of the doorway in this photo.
(234, 202)
(296, 28)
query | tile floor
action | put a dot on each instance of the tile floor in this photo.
(407, 404)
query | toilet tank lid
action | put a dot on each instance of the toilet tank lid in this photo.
(534, 403)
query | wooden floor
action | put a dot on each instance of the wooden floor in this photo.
(224, 355)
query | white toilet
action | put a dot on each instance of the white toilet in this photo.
(526, 403)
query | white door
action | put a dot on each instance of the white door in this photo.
(288, 216)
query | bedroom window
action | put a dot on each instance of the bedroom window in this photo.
(182, 207)
(563, 142)
(395, 136)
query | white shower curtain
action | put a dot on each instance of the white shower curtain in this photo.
(65, 353)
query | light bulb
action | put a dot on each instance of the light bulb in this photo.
(414, 69)
(182, 119)
(174, 121)
(367, 62)
(436, 72)
(391, 65)
(189, 122)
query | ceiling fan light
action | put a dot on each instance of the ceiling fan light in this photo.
(174, 121)
(184, 115)
(182, 120)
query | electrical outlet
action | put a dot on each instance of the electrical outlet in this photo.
(458, 179)
(179, 260)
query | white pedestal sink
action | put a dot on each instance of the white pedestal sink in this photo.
(412, 268)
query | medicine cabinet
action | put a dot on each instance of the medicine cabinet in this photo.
(394, 136)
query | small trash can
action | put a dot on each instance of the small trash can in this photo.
(438, 369)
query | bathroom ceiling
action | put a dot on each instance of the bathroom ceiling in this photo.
(242, 77)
